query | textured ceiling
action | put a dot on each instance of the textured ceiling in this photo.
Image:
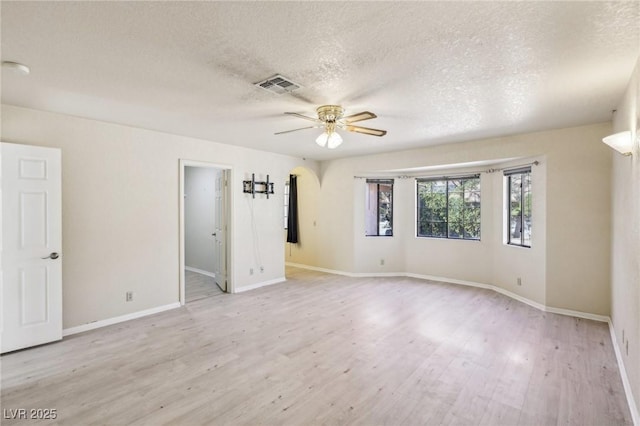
(433, 72)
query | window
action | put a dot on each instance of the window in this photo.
(519, 206)
(286, 204)
(449, 207)
(379, 208)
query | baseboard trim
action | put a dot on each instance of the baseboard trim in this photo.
(318, 269)
(532, 303)
(200, 271)
(497, 289)
(116, 320)
(260, 284)
(561, 311)
(635, 416)
(577, 314)
(347, 274)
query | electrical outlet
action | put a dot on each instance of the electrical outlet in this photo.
(519, 281)
(381, 262)
(250, 271)
(129, 296)
(261, 269)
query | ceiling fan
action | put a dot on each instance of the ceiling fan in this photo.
(331, 117)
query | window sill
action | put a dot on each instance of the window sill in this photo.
(448, 239)
(516, 246)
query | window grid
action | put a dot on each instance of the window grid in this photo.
(286, 205)
(519, 209)
(448, 208)
(380, 223)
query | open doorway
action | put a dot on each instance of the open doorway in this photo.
(204, 242)
(306, 251)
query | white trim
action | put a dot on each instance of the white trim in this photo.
(346, 274)
(316, 268)
(635, 416)
(500, 290)
(532, 303)
(521, 299)
(448, 280)
(577, 314)
(200, 271)
(116, 320)
(230, 228)
(260, 284)
(376, 274)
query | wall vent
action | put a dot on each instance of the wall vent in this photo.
(278, 84)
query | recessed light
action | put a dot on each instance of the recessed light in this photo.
(16, 67)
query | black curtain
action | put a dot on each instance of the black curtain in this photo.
(292, 220)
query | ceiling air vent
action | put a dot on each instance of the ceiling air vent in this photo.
(278, 84)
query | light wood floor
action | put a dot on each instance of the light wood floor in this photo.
(198, 286)
(323, 349)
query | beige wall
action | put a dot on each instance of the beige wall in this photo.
(120, 210)
(309, 233)
(120, 217)
(324, 207)
(568, 266)
(528, 264)
(625, 248)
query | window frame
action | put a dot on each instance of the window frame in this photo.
(447, 180)
(379, 182)
(285, 192)
(508, 174)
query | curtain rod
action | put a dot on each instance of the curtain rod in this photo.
(534, 163)
(378, 177)
(417, 176)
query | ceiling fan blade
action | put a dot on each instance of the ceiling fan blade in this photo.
(366, 130)
(295, 130)
(295, 114)
(361, 116)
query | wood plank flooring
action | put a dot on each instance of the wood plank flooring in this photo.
(198, 286)
(325, 349)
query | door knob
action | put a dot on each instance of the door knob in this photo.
(53, 255)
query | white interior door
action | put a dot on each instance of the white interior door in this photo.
(31, 263)
(221, 229)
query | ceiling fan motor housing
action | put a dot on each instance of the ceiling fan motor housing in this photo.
(330, 113)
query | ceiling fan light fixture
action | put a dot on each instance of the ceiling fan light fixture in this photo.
(16, 67)
(322, 139)
(330, 140)
(334, 140)
(621, 142)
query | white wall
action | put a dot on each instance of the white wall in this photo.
(625, 248)
(120, 210)
(199, 218)
(568, 266)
